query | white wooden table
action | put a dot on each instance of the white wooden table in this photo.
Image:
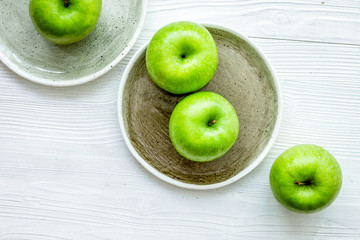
(66, 174)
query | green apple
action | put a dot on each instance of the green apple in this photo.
(305, 178)
(203, 126)
(64, 21)
(182, 57)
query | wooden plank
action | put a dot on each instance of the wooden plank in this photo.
(325, 21)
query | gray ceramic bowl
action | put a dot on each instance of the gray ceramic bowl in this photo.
(243, 76)
(24, 51)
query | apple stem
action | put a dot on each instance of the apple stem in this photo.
(66, 3)
(306, 182)
(212, 122)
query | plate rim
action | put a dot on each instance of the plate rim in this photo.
(85, 79)
(179, 183)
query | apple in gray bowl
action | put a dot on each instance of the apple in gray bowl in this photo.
(182, 57)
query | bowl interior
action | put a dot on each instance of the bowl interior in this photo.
(242, 77)
(30, 55)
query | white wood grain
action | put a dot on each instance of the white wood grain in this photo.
(65, 172)
(312, 20)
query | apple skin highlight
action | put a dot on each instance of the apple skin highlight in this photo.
(64, 22)
(305, 178)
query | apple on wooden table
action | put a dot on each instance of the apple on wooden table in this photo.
(182, 57)
(305, 178)
(203, 126)
(65, 21)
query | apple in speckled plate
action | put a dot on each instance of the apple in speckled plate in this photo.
(65, 21)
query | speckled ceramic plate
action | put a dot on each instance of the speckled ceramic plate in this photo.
(24, 51)
(243, 76)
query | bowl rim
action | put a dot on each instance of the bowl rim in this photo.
(178, 183)
(84, 79)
